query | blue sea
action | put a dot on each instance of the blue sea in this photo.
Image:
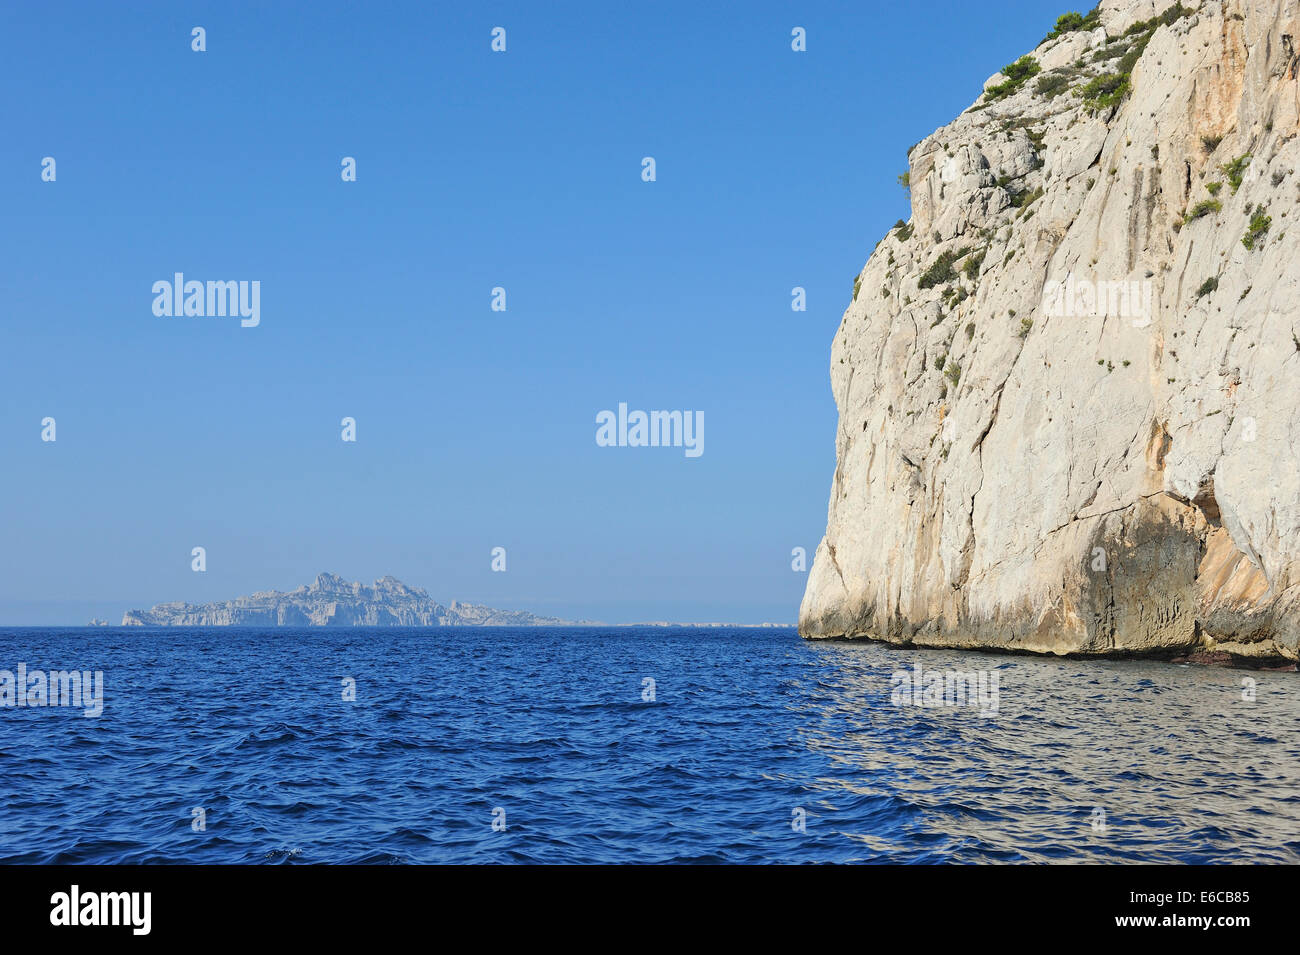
(650, 745)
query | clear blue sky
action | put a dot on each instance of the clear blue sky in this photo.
(475, 428)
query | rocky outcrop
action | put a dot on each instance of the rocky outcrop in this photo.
(333, 601)
(1068, 385)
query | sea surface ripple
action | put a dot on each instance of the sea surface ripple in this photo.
(749, 732)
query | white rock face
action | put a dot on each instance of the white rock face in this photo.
(1083, 435)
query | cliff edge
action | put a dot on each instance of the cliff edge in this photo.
(1067, 387)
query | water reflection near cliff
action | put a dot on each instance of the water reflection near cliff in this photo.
(1083, 761)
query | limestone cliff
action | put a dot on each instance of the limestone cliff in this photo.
(1068, 386)
(332, 601)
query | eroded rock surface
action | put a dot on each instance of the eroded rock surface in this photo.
(1021, 466)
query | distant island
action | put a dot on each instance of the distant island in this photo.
(332, 601)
